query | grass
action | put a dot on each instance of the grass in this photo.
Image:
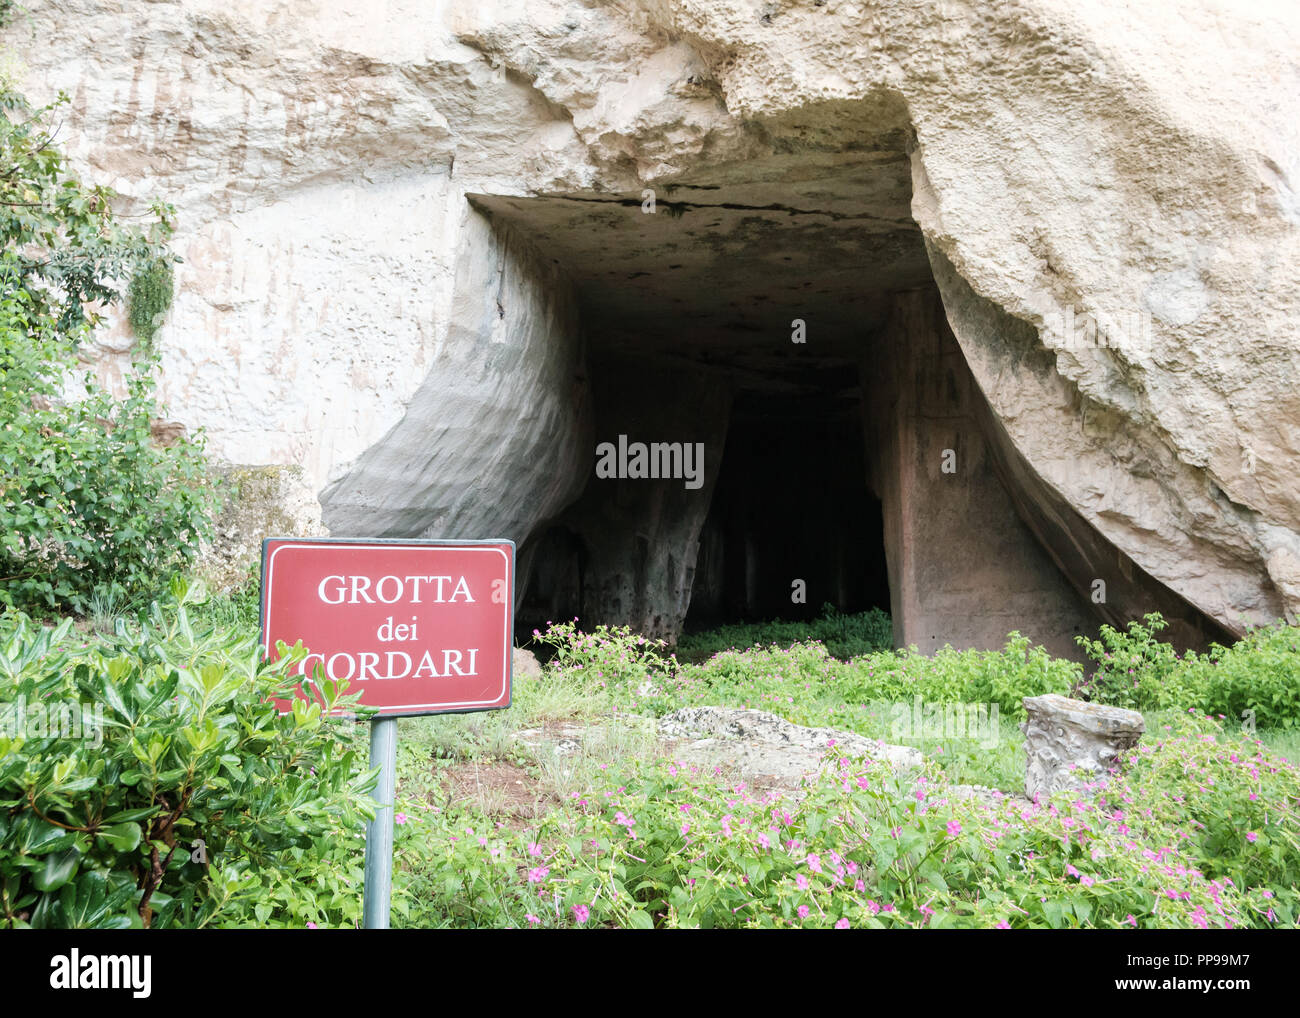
(1282, 741)
(611, 745)
(774, 666)
(802, 682)
(428, 745)
(239, 608)
(482, 810)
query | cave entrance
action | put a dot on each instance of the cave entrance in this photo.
(792, 525)
(781, 316)
(776, 309)
(737, 313)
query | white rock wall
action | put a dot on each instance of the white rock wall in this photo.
(319, 201)
(496, 438)
(301, 330)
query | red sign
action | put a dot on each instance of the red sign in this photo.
(419, 627)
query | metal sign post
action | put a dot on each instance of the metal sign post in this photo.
(420, 627)
(379, 832)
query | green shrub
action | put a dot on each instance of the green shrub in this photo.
(187, 801)
(845, 636)
(796, 682)
(149, 297)
(1256, 679)
(616, 665)
(91, 505)
(1003, 677)
(88, 503)
(1133, 667)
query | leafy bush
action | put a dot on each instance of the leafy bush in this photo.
(1259, 674)
(845, 636)
(615, 664)
(1258, 677)
(1133, 667)
(149, 297)
(796, 682)
(89, 502)
(1003, 677)
(187, 801)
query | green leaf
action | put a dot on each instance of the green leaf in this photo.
(131, 815)
(59, 868)
(124, 836)
(42, 838)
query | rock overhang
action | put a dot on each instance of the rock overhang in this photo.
(718, 272)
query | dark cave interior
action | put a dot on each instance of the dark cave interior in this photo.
(791, 327)
(791, 506)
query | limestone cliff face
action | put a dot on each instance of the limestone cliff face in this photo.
(343, 307)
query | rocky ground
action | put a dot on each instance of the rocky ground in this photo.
(753, 746)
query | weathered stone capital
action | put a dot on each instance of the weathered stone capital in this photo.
(1070, 743)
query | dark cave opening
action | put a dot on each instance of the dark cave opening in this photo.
(791, 328)
(792, 525)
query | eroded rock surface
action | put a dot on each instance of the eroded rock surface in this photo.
(342, 307)
(259, 502)
(746, 745)
(1071, 743)
(761, 745)
(524, 664)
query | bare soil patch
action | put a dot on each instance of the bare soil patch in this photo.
(501, 789)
